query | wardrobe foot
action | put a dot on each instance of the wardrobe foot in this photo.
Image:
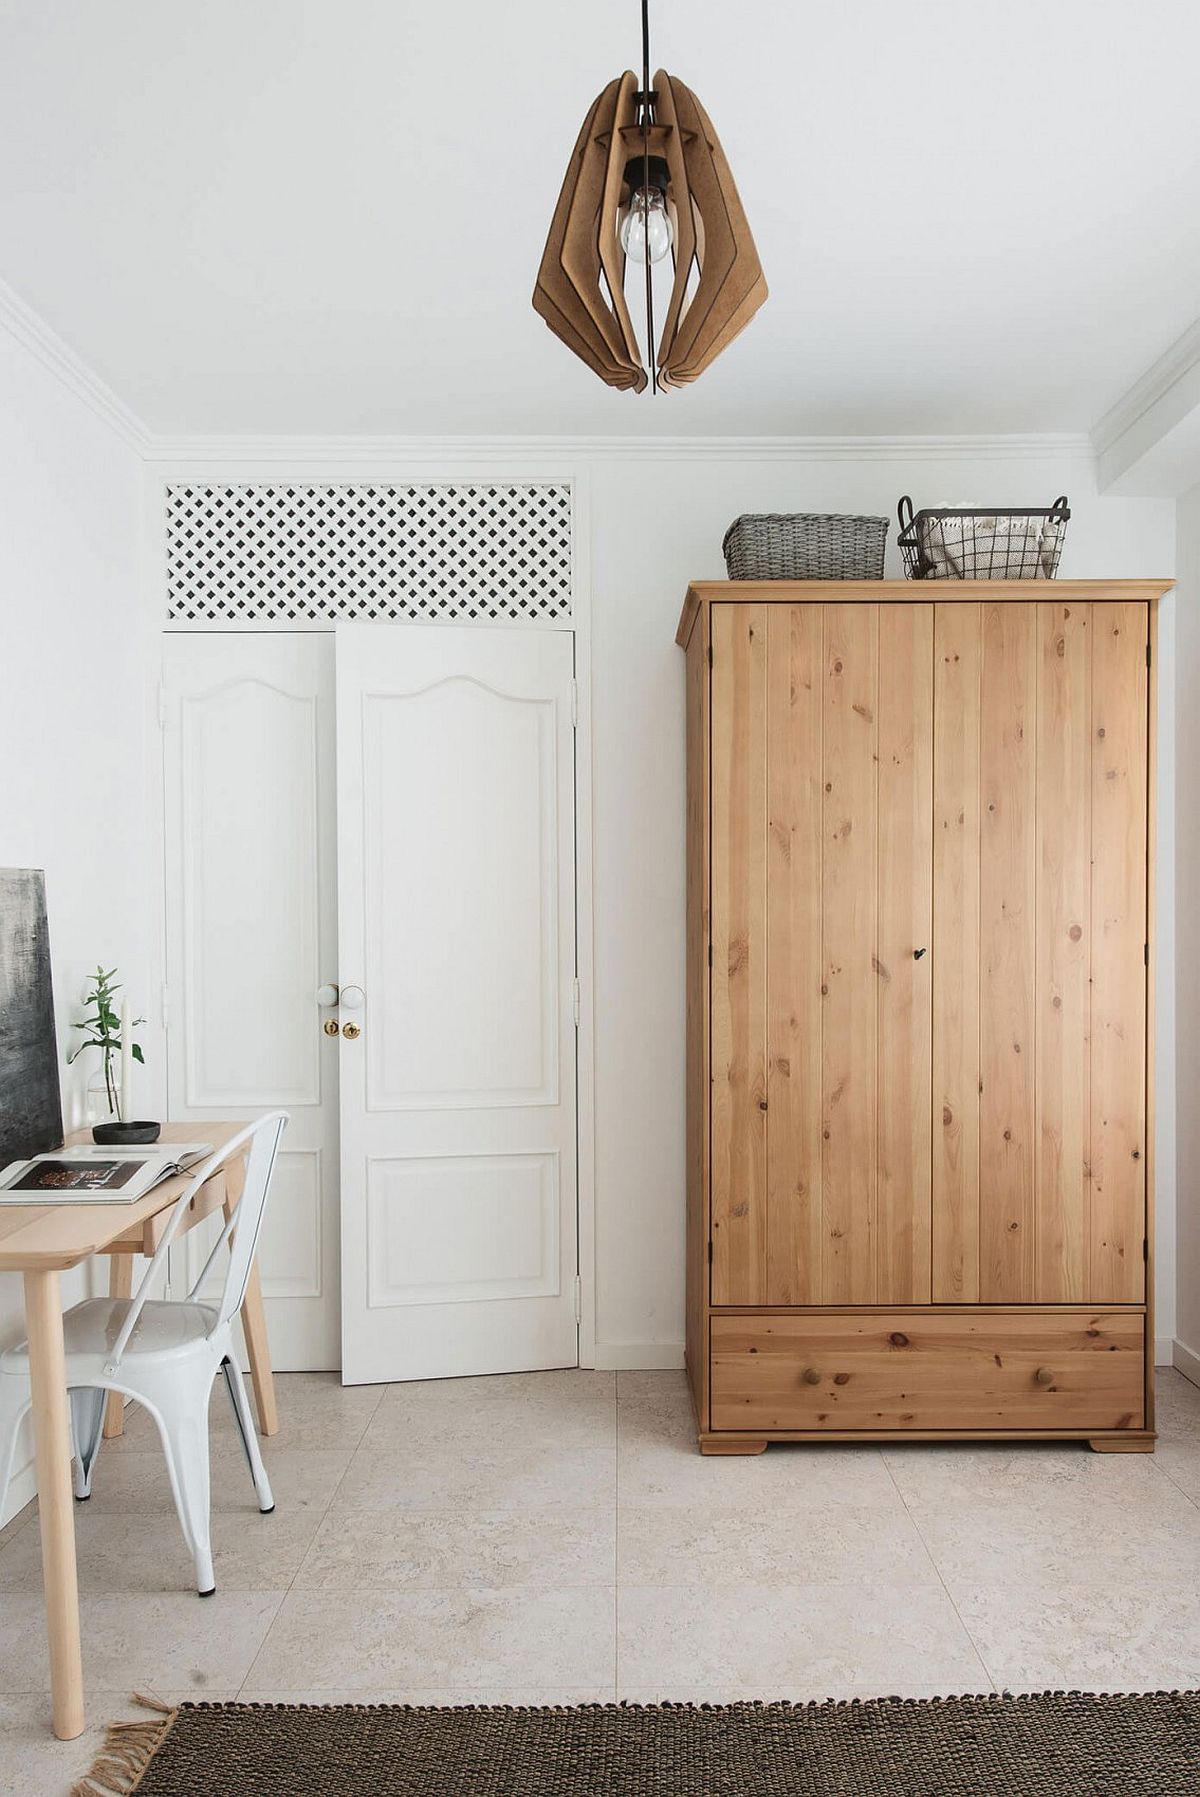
(715, 1444)
(1122, 1444)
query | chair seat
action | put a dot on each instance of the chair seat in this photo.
(91, 1328)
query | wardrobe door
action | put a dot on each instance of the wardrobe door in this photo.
(821, 897)
(1040, 980)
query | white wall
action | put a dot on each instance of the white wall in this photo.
(72, 721)
(1187, 869)
(654, 525)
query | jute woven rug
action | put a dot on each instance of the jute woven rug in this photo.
(1057, 1745)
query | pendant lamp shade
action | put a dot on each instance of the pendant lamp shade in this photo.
(718, 281)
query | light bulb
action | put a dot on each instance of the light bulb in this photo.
(646, 233)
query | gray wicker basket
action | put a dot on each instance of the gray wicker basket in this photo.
(805, 546)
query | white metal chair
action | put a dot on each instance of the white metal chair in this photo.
(165, 1354)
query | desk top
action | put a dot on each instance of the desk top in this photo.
(44, 1236)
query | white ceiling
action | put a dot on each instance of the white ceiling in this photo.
(325, 216)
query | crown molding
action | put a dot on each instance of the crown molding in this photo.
(1149, 441)
(553, 453)
(36, 336)
(1147, 391)
(561, 450)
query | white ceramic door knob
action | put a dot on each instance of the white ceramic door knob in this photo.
(327, 994)
(353, 998)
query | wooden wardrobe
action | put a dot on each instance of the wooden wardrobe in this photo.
(920, 967)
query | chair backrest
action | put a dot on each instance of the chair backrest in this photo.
(244, 1225)
(241, 1231)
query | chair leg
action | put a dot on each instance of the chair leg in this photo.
(184, 1429)
(235, 1386)
(88, 1405)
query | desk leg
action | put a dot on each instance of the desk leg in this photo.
(120, 1285)
(52, 1453)
(254, 1320)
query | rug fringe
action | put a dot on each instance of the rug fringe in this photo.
(128, 1749)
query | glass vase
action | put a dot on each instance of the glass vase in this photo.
(101, 1108)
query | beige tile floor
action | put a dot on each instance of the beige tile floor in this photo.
(556, 1538)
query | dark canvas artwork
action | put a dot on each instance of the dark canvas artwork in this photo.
(30, 1104)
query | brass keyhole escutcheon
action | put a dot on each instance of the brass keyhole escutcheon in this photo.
(331, 1026)
(351, 1031)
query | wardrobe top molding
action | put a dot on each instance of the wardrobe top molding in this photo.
(701, 593)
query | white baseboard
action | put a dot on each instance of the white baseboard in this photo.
(22, 1489)
(1164, 1351)
(1185, 1360)
(639, 1357)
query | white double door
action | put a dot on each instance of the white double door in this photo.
(388, 951)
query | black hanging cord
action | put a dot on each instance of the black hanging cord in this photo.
(646, 103)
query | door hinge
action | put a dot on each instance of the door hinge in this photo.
(1145, 1247)
(1147, 654)
(575, 1002)
(574, 704)
(578, 1299)
(165, 1004)
(1146, 954)
(710, 954)
(166, 707)
(710, 1253)
(710, 655)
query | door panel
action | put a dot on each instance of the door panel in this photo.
(1118, 929)
(739, 949)
(1064, 953)
(457, 922)
(479, 769)
(958, 655)
(1039, 1032)
(251, 935)
(1007, 925)
(821, 849)
(850, 920)
(795, 701)
(904, 983)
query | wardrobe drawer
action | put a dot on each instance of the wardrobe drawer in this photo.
(974, 1370)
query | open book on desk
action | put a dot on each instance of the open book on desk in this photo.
(87, 1175)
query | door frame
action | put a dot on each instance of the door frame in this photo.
(225, 469)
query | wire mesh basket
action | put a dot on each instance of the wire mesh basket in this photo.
(805, 546)
(949, 543)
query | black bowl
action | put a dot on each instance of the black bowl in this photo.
(125, 1135)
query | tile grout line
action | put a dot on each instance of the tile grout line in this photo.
(975, 1647)
(1181, 1489)
(17, 1525)
(1156, 1462)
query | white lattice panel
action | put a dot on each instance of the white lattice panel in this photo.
(254, 554)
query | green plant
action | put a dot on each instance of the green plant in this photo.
(103, 1031)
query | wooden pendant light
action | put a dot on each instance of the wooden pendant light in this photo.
(718, 284)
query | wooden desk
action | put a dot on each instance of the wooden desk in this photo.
(41, 1242)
